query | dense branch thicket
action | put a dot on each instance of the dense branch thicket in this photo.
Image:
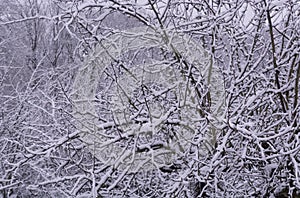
(152, 98)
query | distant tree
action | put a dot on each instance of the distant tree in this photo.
(37, 66)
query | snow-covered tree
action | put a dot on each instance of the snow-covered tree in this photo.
(152, 98)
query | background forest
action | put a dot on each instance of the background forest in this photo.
(149, 98)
